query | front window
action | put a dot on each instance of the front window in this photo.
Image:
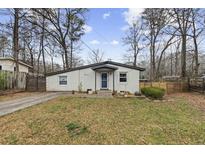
(123, 77)
(63, 80)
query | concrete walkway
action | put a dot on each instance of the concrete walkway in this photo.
(10, 106)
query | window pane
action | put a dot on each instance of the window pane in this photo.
(104, 76)
(123, 77)
(63, 80)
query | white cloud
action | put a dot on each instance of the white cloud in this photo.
(132, 15)
(94, 42)
(105, 15)
(114, 42)
(87, 28)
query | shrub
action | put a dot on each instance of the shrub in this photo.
(80, 87)
(153, 92)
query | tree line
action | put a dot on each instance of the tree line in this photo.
(170, 39)
(164, 41)
(30, 34)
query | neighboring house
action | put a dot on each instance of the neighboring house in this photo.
(8, 64)
(106, 75)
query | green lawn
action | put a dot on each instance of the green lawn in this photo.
(69, 120)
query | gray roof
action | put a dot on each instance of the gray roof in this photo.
(95, 65)
(12, 59)
(106, 66)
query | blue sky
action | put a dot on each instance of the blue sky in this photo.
(105, 32)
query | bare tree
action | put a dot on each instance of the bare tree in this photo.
(4, 42)
(177, 53)
(52, 50)
(60, 26)
(197, 27)
(95, 56)
(182, 18)
(157, 22)
(133, 39)
(76, 30)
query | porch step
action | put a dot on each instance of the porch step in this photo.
(106, 93)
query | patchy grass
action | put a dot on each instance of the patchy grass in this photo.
(75, 129)
(68, 120)
(12, 139)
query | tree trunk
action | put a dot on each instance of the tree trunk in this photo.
(32, 61)
(66, 55)
(42, 45)
(153, 62)
(52, 64)
(151, 68)
(71, 53)
(151, 57)
(135, 56)
(196, 68)
(183, 57)
(176, 59)
(196, 57)
(24, 52)
(63, 60)
(16, 44)
(38, 60)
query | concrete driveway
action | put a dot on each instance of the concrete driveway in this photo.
(10, 106)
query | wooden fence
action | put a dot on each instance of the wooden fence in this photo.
(170, 87)
(35, 83)
(197, 85)
(7, 80)
(29, 82)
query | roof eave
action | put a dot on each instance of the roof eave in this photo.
(96, 64)
(20, 62)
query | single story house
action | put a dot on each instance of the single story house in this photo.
(106, 75)
(8, 64)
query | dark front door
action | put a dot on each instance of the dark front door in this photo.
(104, 84)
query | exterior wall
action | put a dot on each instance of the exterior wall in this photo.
(86, 77)
(8, 65)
